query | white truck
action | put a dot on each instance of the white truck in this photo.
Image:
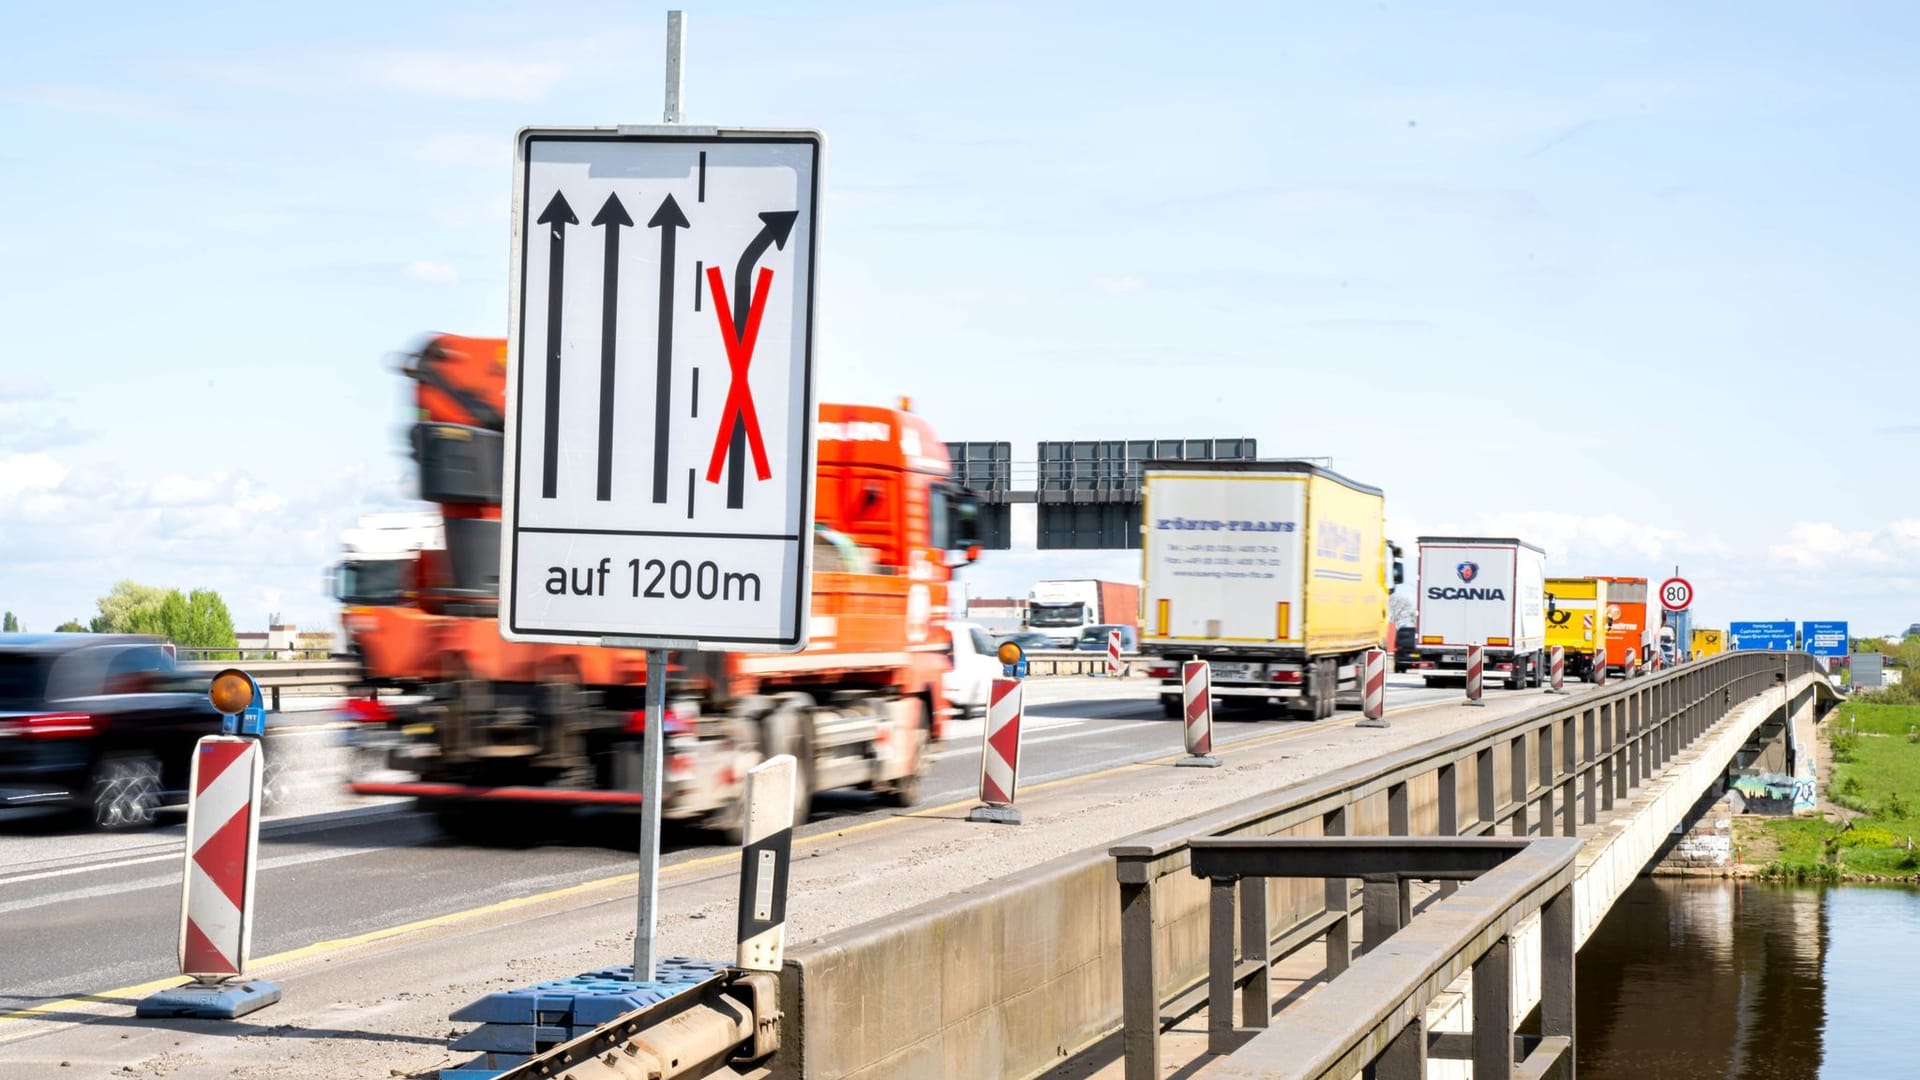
(1486, 591)
(1062, 609)
(1274, 572)
(378, 556)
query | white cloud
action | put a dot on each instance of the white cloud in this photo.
(438, 273)
(1586, 538)
(464, 77)
(1126, 283)
(22, 475)
(1820, 545)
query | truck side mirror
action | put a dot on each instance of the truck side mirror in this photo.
(963, 522)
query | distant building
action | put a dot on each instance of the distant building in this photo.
(998, 614)
(282, 641)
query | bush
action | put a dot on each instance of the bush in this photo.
(1895, 807)
(1843, 744)
(1905, 692)
(1873, 836)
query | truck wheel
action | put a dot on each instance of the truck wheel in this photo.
(1171, 704)
(1517, 678)
(1538, 671)
(126, 791)
(905, 791)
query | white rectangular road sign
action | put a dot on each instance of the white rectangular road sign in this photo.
(659, 470)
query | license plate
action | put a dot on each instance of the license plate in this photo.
(1241, 672)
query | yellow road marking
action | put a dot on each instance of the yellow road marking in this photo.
(322, 948)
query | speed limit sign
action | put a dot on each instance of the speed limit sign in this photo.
(1676, 594)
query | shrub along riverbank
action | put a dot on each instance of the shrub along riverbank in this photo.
(1870, 826)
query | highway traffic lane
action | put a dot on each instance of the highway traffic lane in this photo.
(112, 920)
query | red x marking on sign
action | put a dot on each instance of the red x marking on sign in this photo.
(739, 406)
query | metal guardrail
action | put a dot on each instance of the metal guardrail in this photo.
(236, 655)
(278, 676)
(1372, 1017)
(1587, 754)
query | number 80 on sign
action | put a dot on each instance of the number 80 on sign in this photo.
(1676, 594)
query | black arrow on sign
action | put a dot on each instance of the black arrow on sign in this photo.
(559, 215)
(613, 216)
(775, 227)
(666, 219)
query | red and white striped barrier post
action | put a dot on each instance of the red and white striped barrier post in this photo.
(223, 843)
(1599, 673)
(1557, 670)
(1373, 689)
(1000, 756)
(1476, 670)
(1633, 663)
(1196, 690)
(1114, 667)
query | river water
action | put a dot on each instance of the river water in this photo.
(1695, 978)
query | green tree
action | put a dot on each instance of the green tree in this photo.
(196, 620)
(10, 624)
(71, 626)
(208, 624)
(128, 606)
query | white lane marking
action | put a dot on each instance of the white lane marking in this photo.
(172, 881)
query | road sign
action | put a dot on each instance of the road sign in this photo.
(660, 403)
(1824, 638)
(1776, 636)
(1676, 594)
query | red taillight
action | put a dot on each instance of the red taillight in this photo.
(674, 723)
(50, 726)
(366, 711)
(1161, 673)
(1289, 677)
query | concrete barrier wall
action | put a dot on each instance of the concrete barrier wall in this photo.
(999, 980)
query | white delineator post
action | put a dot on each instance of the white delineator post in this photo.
(1476, 670)
(1113, 654)
(1557, 670)
(1196, 691)
(1000, 755)
(1373, 689)
(766, 852)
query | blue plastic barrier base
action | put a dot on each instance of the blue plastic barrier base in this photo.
(994, 815)
(217, 1001)
(1200, 761)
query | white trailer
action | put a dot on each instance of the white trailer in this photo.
(1486, 591)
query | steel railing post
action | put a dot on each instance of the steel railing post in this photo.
(1517, 782)
(1139, 992)
(1569, 808)
(1405, 1058)
(1556, 975)
(1447, 810)
(1340, 934)
(1549, 780)
(1256, 999)
(1484, 789)
(1222, 924)
(1590, 754)
(1493, 1010)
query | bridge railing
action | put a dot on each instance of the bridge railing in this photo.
(1372, 1017)
(277, 677)
(1542, 773)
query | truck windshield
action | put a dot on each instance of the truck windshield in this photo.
(378, 581)
(1056, 614)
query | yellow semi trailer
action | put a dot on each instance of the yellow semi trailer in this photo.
(1577, 621)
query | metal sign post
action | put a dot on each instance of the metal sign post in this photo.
(659, 455)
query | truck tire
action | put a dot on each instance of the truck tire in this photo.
(1517, 678)
(1539, 671)
(905, 791)
(1171, 705)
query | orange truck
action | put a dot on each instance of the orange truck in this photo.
(501, 723)
(1628, 634)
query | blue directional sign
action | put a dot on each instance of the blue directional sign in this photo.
(1825, 638)
(1771, 636)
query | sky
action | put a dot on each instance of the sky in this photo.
(1630, 281)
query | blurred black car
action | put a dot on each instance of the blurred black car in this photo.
(99, 722)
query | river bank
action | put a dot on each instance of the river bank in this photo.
(1870, 807)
